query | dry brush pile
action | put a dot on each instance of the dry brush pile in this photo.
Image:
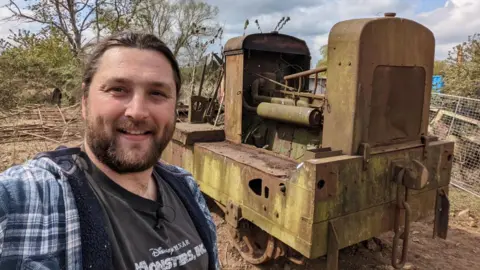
(31, 129)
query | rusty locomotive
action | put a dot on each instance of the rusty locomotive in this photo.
(302, 175)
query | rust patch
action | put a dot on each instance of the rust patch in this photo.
(188, 133)
(232, 214)
(261, 160)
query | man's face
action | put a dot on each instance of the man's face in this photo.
(130, 109)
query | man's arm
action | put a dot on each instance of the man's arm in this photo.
(30, 222)
(4, 199)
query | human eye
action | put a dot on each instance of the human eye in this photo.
(117, 90)
(158, 94)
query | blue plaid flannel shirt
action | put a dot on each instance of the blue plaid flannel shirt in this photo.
(39, 222)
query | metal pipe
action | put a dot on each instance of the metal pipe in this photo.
(276, 100)
(260, 98)
(301, 94)
(203, 77)
(215, 94)
(305, 73)
(304, 116)
(275, 82)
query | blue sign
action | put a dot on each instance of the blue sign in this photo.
(437, 83)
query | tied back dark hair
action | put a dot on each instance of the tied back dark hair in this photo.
(129, 39)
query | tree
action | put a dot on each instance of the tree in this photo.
(188, 27)
(323, 62)
(73, 18)
(53, 56)
(115, 15)
(32, 63)
(182, 24)
(439, 67)
(462, 73)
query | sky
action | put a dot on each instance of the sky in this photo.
(451, 21)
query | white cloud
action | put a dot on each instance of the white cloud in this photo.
(312, 20)
(451, 23)
(7, 24)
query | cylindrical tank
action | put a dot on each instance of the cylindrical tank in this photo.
(305, 116)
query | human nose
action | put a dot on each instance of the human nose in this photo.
(136, 108)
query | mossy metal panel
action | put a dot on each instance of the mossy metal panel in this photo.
(225, 172)
(355, 189)
(365, 224)
(178, 154)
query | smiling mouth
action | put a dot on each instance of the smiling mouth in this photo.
(134, 132)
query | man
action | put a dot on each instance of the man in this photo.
(110, 204)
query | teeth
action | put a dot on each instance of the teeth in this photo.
(135, 132)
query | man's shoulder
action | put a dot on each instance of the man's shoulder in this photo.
(30, 180)
(33, 170)
(36, 207)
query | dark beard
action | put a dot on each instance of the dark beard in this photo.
(105, 147)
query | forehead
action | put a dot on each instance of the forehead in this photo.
(136, 65)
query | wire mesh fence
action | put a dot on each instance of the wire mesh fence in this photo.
(457, 119)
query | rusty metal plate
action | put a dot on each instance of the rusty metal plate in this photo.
(321, 153)
(396, 105)
(282, 142)
(233, 98)
(189, 133)
(196, 110)
(442, 210)
(273, 42)
(232, 214)
(356, 49)
(271, 164)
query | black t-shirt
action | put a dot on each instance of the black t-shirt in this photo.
(148, 234)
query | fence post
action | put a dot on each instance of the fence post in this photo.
(453, 118)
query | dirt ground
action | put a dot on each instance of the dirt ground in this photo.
(460, 251)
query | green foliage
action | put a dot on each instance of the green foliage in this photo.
(32, 64)
(463, 77)
(115, 15)
(439, 67)
(323, 62)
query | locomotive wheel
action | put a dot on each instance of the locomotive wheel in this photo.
(253, 244)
